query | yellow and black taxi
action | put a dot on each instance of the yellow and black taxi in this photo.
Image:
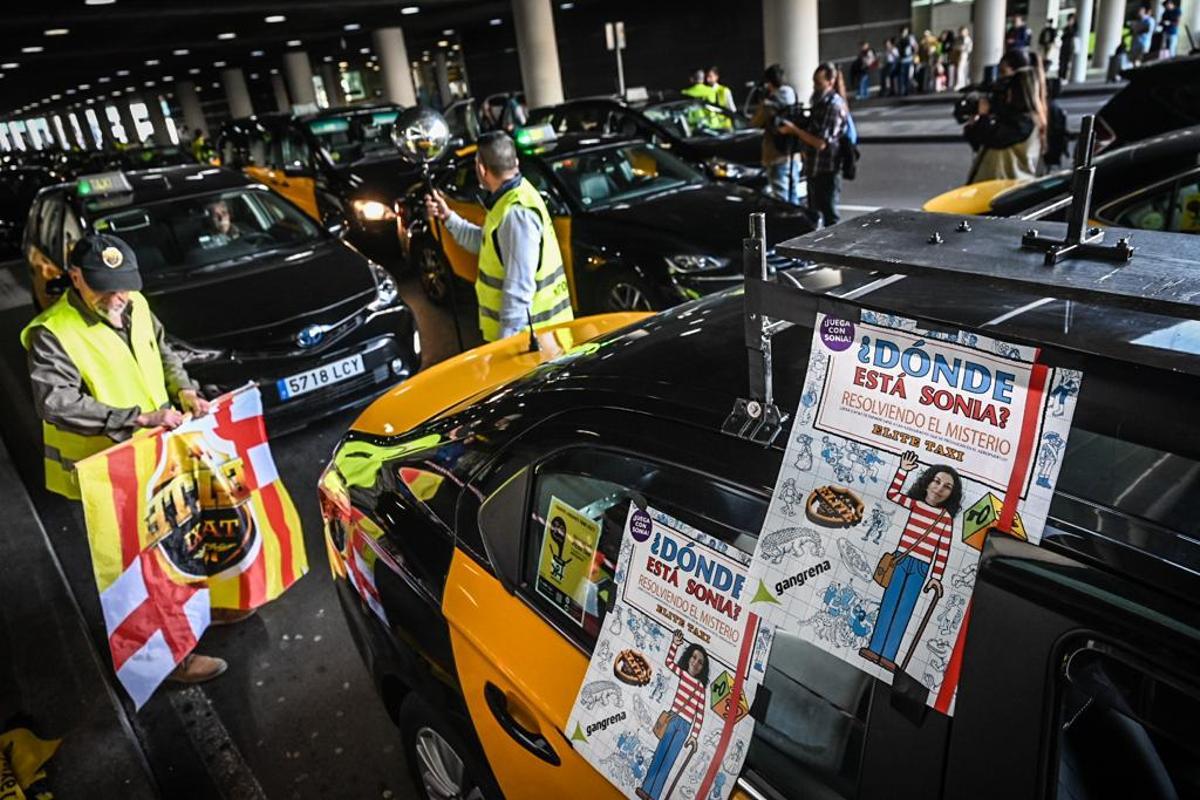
(1078, 673)
(19, 184)
(639, 228)
(714, 138)
(338, 163)
(1155, 97)
(1153, 184)
(250, 288)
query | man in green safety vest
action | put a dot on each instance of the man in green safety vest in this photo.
(101, 369)
(521, 278)
(722, 94)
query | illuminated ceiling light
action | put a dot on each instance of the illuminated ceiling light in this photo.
(83, 87)
(227, 35)
(56, 97)
(9, 65)
(410, 10)
(115, 93)
(218, 64)
(151, 62)
(443, 43)
(257, 54)
(70, 91)
(566, 6)
(128, 90)
(253, 76)
(32, 49)
(194, 71)
(56, 32)
(365, 50)
(98, 2)
(216, 85)
(104, 79)
(343, 64)
(276, 18)
(328, 59)
(183, 51)
(351, 26)
(294, 43)
(168, 78)
(149, 83)
(121, 73)
(495, 21)
(274, 71)
(448, 32)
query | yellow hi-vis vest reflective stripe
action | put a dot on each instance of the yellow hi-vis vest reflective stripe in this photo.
(551, 298)
(113, 373)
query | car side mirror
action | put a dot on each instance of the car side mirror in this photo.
(501, 523)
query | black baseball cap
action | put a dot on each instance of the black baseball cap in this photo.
(107, 262)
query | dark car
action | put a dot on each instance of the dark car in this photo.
(339, 163)
(1153, 184)
(639, 228)
(19, 184)
(720, 141)
(1078, 676)
(1158, 96)
(246, 285)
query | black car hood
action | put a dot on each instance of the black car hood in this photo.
(260, 306)
(382, 179)
(709, 218)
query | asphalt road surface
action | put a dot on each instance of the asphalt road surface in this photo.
(296, 716)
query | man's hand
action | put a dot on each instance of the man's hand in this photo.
(435, 206)
(167, 418)
(193, 403)
(788, 127)
(908, 461)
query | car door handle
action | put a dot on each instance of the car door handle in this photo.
(530, 740)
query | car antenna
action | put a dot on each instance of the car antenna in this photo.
(534, 347)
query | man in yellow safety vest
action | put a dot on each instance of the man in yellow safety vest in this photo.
(101, 369)
(521, 278)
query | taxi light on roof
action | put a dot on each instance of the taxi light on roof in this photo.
(535, 134)
(102, 183)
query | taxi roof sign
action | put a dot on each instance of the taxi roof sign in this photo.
(102, 183)
(534, 135)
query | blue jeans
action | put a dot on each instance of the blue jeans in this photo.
(1170, 41)
(864, 86)
(905, 77)
(777, 176)
(665, 754)
(899, 599)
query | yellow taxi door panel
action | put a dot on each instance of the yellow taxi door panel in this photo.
(519, 677)
(464, 263)
(562, 230)
(300, 190)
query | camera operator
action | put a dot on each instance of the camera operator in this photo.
(1008, 127)
(823, 138)
(779, 150)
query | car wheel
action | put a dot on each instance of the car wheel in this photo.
(434, 271)
(443, 766)
(626, 291)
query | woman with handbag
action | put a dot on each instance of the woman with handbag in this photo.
(920, 557)
(680, 726)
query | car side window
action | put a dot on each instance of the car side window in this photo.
(72, 232)
(1171, 207)
(461, 183)
(1121, 722)
(294, 151)
(50, 230)
(537, 176)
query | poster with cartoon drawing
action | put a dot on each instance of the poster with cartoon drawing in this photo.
(904, 449)
(656, 713)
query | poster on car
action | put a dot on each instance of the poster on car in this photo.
(908, 446)
(565, 564)
(660, 713)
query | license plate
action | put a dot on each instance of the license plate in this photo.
(324, 375)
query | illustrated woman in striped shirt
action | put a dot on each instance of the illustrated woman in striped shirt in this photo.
(932, 503)
(686, 716)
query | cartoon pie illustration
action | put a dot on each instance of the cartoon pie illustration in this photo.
(833, 507)
(632, 667)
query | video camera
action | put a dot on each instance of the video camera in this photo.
(996, 93)
(798, 114)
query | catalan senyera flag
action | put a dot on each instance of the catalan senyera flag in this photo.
(181, 521)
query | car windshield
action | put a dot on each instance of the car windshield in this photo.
(355, 137)
(204, 231)
(601, 178)
(691, 118)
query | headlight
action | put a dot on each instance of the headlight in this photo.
(724, 170)
(372, 210)
(385, 288)
(693, 263)
(190, 354)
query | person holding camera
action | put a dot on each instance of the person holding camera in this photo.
(779, 154)
(823, 140)
(1008, 127)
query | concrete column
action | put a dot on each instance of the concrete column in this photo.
(189, 104)
(162, 136)
(331, 78)
(125, 110)
(790, 40)
(1110, 21)
(1039, 12)
(279, 88)
(1191, 16)
(537, 49)
(236, 93)
(1083, 24)
(441, 72)
(299, 79)
(988, 35)
(393, 61)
